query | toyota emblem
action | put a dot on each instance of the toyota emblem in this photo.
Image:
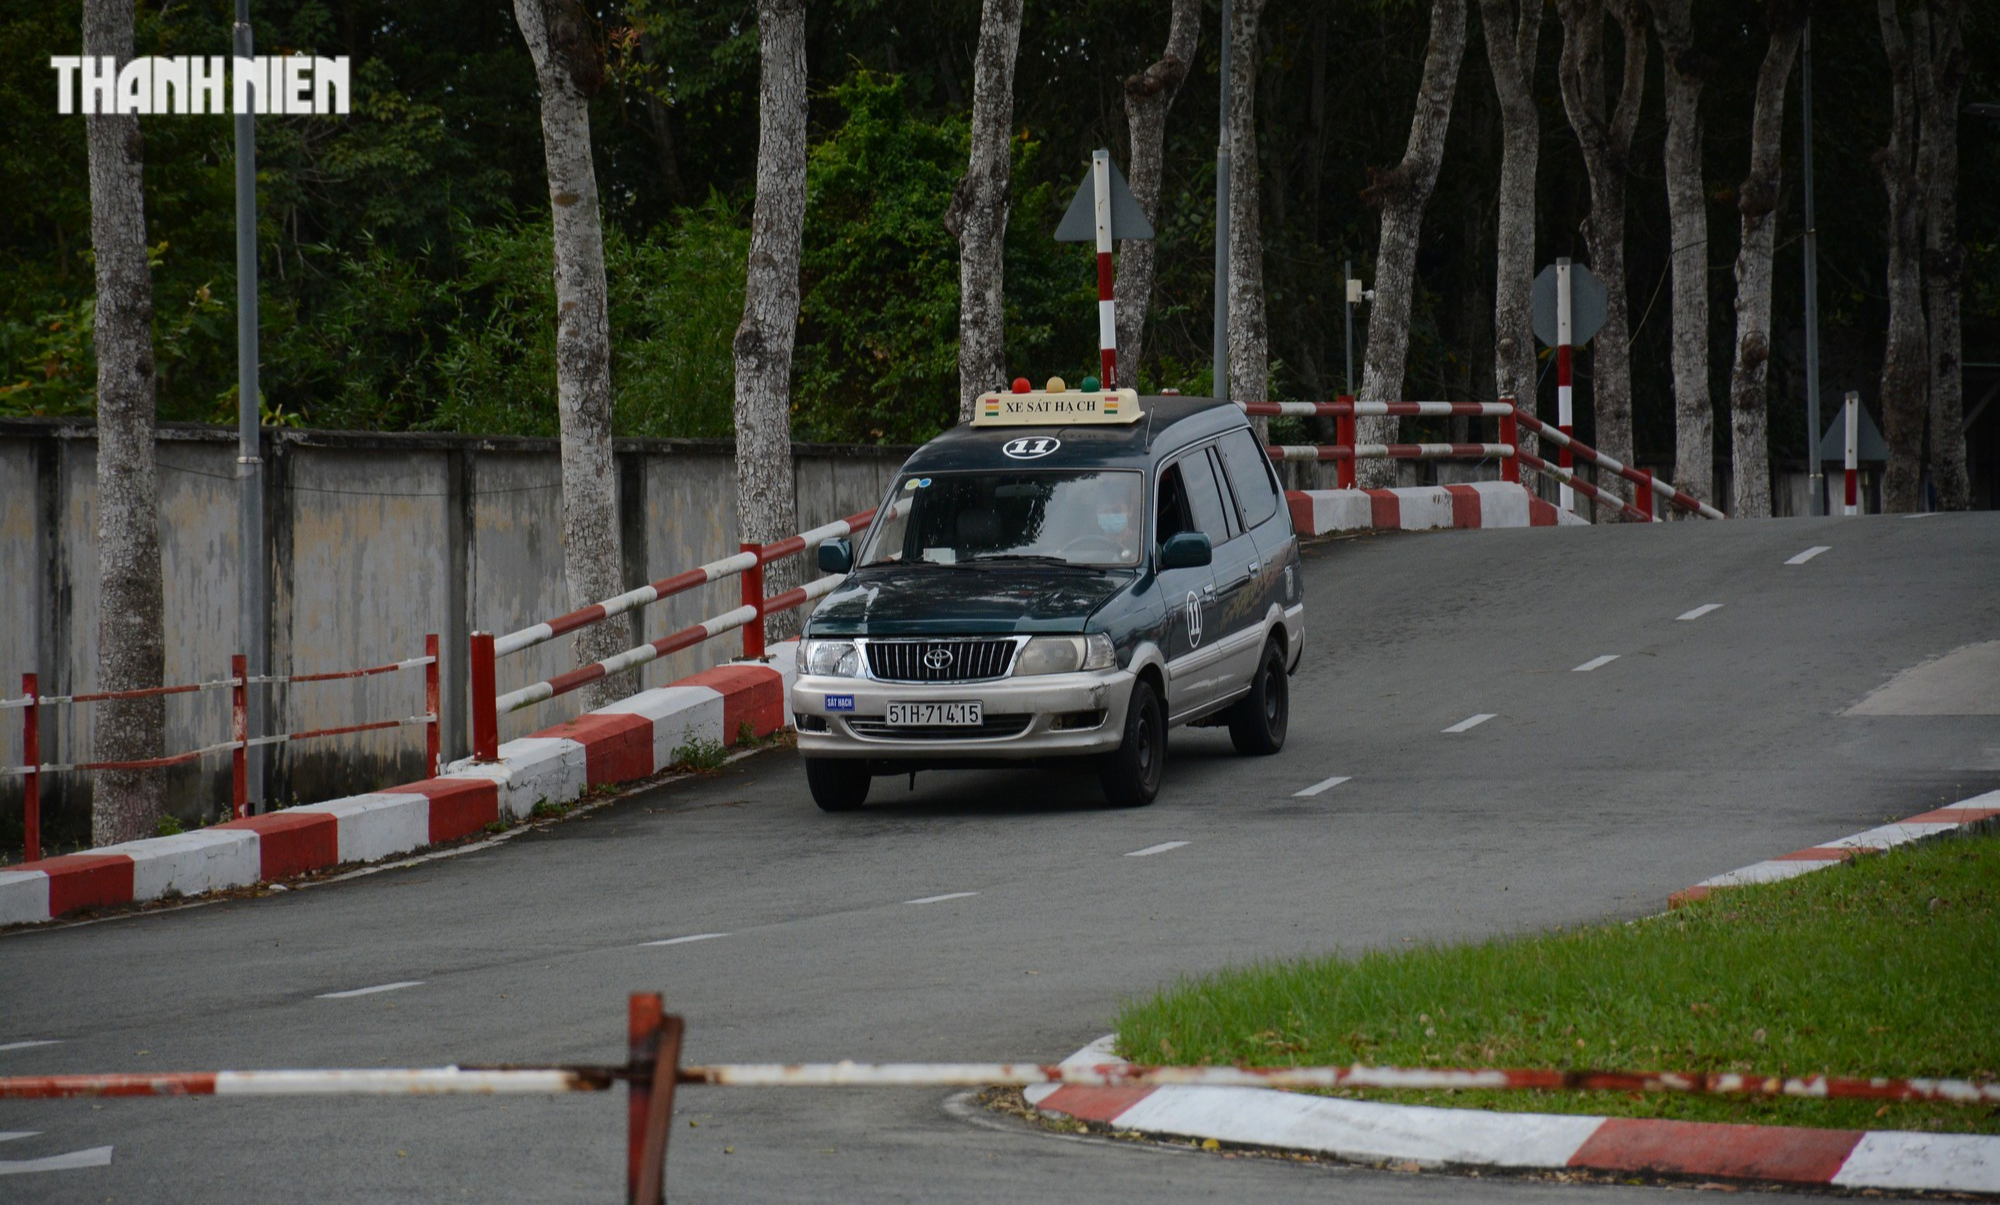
(1030, 446)
(1193, 619)
(937, 657)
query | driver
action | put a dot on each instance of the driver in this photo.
(1118, 519)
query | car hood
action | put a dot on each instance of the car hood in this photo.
(933, 600)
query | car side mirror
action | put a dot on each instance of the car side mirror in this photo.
(836, 556)
(1186, 550)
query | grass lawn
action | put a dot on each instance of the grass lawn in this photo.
(1889, 966)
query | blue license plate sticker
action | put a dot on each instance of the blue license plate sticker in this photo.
(840, 702)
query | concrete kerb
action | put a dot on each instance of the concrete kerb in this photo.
(632, 739)
(1370, 1132)
(1471, 505)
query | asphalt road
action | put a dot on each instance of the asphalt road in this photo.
(1707, 743)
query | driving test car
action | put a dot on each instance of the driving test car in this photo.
(1062, 580)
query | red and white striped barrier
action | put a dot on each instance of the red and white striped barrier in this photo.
(1639, 477)
(1388, 451)
(1423, 508)
(1368, 1132)
(1852, 462)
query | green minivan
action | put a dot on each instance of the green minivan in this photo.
(1068, 576)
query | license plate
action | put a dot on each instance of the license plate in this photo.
(935, 715)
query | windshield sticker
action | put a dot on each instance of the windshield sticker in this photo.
(917, 483)
(1030, 446)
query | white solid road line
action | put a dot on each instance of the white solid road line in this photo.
(1925, 514)
(1595, 663)
(1322, 785)
(369, 991)
(1474, 722)
(1700, 611)
(97, 1156)
(677, 941)
(26, 1045)
(1161, 848)
(939, 899)
(1809, 554)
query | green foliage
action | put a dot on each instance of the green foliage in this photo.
(699, 753)
(168, 825)
(1879, 968)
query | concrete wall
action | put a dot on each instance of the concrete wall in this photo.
(374, 541)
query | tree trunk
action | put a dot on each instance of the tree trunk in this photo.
(1148, 96)
(1401, 192)
(1686, 70)
(1940, 60)
(1757, 201)
(1249, 331)
(766, 506)
(1606, 147)
(569, 68)
(977, 217)
(130, 648)
(1905, 359)
(1513, 33)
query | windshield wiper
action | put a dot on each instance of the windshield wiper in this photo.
(1035, 557)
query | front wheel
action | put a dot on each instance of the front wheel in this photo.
(1258, 721)
(1131, 773)
(837, 785)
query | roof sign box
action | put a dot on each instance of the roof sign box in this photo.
(1056, 407)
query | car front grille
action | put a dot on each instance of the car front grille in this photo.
(939, 660)
(994, 726)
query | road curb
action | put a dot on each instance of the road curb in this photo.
(1423, 508)
(1368, 1132)
(631, 739)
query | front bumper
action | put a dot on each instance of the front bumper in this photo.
(1025, 718)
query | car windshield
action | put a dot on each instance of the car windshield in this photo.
(1078, 518)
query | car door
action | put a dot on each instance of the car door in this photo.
(1188, 595)
(1238, 566)
(1262, 508)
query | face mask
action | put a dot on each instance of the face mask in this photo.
(1112, 523)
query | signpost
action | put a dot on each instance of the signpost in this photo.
(1568, 308)
(1104, 209)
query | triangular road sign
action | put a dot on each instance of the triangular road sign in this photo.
(1079, 224)
(1869, 446)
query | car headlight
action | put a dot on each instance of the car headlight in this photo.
(1065, 654)
(829, 658)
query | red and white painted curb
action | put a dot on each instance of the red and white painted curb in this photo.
(1476, 504)
(631, 739)
(1962, 816)
(1366, 1132)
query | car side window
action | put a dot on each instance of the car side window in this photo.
(1171, 517)
(1250, 472)
(1204, 498)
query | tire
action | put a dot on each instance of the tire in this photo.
(1258, 721)
(837, 785)
(1131, 773)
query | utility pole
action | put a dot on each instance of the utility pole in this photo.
(1347, 283)
(249, 452)
(1221, 362)
(1815, 471)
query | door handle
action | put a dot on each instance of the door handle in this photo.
(1209, 588)
(1256, 565)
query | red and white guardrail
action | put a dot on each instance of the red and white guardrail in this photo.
(488, 704)
(652, 1071)
(238, 745)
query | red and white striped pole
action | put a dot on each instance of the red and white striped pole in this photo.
(1107, 317)
(1853, 409)
(1565, 417)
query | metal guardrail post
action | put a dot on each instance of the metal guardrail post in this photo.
(654, 1061)
(1343, 433)
(239, 757)
(31, 752)
(1510, 434)
(753, 596)
(433, 732)
(485, 714)
(1643, 496)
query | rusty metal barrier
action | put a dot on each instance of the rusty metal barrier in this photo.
(652, 1070)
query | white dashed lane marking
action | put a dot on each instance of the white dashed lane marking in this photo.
(1595, 663)
(1809, 554)
(1474, 722)
(939, 899)
(96, 1156)
(1324, 784)
(681, 941)
(25, 1045)
(1700, 611)
(369, 991)
(1161, 848)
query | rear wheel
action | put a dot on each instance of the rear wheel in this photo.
(837, 785)
(1258, 721)
(1131, 773)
